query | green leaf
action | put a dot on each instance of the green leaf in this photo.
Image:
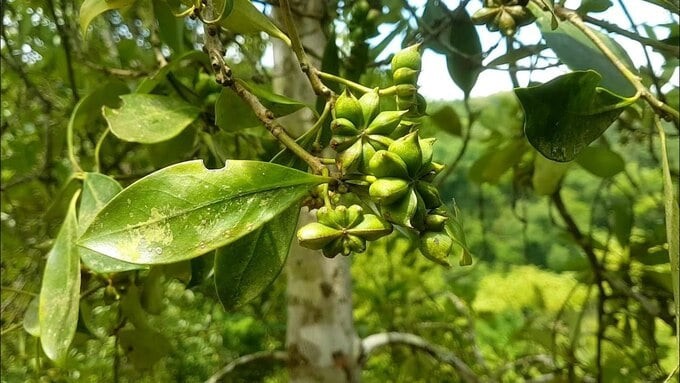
(465, 63)
(93, 8)
(578, 52)
(98, 189)
(60, 291)
(246, 19)
(149, 83)
(244, 269)
(31, 322)
(447, 120)
(492, 165)
(601, 161)
(170, 27)
(593, 6)
(564, 115)
(547, 175)
(436, 17)
(88, 109)
(186, 210)
(517, 54)
(278, 104)
(153, 291)
(623, 217)
(232, 113)
(144, 347)
(149, 119)
(454, 228)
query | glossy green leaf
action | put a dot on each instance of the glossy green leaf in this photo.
(578, 52)
(245, 268)
(31, 321)
(492, 165)
(186, 210)
(601, 161)
(564, 115)
(447, 120)
(465, 63)
(93, 8)
(149, 119)
(594, 6)
(547, 175)
(170, 27)
(144, 347)
(60, 291)
(246, 19)
(98, 189)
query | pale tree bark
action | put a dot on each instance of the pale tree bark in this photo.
(321, 341)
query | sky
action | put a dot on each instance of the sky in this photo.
(435, 83)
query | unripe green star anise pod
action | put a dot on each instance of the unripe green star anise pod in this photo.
(405, 75)
(436, 247)
(347, 106)
(342, 230)
(408, 149)
(370, 105)
(408, 57)
(435, 222)
(385, 122)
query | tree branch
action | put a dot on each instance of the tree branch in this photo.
(65, 42)
(662, 109)
(213, 46)
(372, 342)
(275, 356)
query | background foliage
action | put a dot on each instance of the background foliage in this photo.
(569, 258)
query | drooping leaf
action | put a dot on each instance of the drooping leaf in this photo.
(436, 19)
(465, 63)
(547, 175)
(144, 347)
(31, 321)
(246, 19)
(447, 120)
(98, 189)
(601, 161)
(564, 115)
(149, 119)
(578, 52)
(186, 210)
(93, 8)
(60, 290)
(248, 266)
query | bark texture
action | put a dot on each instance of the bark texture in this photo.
(321, 341)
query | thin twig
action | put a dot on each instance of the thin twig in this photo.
(65, 42)
(373, 342)
(275, 356)
(213, 46)
(466, 140)
(671, 49)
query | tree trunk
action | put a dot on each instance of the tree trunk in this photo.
(321, 341)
